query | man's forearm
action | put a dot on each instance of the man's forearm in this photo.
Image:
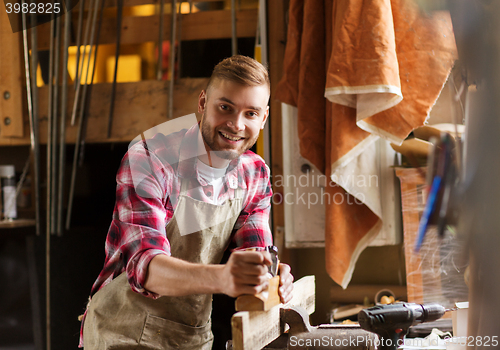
(244, 273)
(175, 277)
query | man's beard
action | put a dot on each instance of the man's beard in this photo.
(209, 138)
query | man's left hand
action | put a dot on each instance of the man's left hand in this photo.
(286, 283)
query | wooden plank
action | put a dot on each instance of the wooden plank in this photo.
(139, 106)
(252, 330)
(128, 3)
(12, 93)
(195, 26)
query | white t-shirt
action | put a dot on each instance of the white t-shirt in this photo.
(214, 177)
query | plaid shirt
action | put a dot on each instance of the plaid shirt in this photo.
(148, 188)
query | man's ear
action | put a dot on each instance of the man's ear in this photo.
(202, 100)
(265, 118)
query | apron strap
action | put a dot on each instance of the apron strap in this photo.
(238, 193)
(184, 186)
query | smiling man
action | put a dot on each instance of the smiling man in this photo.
(182, 200)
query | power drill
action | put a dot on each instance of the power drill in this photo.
(392, 322)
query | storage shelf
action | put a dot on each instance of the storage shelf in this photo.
(17, 223)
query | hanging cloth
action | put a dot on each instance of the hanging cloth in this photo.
(381, 64)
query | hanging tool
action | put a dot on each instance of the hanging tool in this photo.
(391, 322)
(62, 133)
(159, 67)
(171, 65)
(269, 298)
(119, 16)
(78, 39)
(81, 121)
(234, 38)
(438, 210)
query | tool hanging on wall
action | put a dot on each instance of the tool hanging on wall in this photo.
(119, 16)
(440, 209)
(84, 110)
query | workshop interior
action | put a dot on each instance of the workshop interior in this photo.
(381, 142)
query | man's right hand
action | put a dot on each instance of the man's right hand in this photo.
(245, 272)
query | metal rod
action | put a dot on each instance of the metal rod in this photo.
(78, 39)
(159, 67)
(62, 132)
(81, 155)
(80, 121)
(32, 97)
(49, 122)
(117, 57)
(31, 109)
(91, 44)
(234, 38)
(171, 64)
(28, 80)
(79, 85)
(55, 119)
(34, 290)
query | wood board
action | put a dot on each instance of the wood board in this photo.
(139, 106)
(194, 26)
(11, 78)
(253, 330)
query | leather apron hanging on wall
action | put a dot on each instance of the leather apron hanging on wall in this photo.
(119, 318)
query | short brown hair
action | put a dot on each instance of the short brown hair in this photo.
(242, 70)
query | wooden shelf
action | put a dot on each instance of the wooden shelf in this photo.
(139, 106)
(17, 223)
(193, 26)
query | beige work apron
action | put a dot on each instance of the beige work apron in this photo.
(118, 318)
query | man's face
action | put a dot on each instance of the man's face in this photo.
(232, 116)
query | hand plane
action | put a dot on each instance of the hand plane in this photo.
(265, 300)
